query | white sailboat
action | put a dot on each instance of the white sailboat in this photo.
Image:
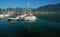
(22, 16)
(30, 16)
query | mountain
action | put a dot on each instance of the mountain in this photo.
(49, 8)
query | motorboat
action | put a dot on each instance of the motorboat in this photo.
(12, 19)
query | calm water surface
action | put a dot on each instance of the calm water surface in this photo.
(40, 28)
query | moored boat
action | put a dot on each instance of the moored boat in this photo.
(12, 19)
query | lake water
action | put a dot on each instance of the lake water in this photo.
(40, 28)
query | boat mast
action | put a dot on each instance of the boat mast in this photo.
(23, 11)
(28, 7)
(29, 10)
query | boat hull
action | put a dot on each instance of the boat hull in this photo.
(32, 18)
(12, 19)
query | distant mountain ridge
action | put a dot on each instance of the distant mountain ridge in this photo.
(49, 8)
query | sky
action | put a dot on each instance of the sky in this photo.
(23, 3)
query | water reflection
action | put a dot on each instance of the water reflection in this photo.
(26, 29)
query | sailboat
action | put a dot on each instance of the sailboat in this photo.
(22, 16)
(30, 16)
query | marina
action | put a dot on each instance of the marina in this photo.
(29, 18)
(25, 16)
